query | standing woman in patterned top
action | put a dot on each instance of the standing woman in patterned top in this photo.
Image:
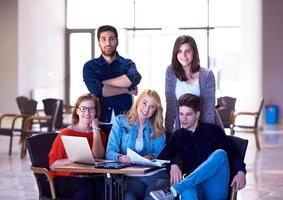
(185, 75)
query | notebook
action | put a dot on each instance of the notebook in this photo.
(78, 150)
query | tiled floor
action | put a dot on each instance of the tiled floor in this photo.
(264, 178)
(265, 167)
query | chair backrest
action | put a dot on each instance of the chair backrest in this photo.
(21, 101)
(258, 113)
(38, 147)
(239, 147)
(227, 101)
(54, 108)
(30, 107)
(227, 107)
(26, 106)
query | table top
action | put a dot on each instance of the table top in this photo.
(67, 165)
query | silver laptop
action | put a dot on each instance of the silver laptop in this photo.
(78, 150)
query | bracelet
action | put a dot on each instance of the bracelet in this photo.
(96, 129)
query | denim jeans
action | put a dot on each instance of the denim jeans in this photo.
(208, 181)
(139, 187)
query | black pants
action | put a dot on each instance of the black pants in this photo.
(80, 188)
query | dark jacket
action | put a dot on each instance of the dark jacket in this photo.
(193, 148)
(97, 70)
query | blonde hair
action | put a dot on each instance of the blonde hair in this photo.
(82, 98)
(156, 119)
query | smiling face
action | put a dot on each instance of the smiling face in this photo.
(108, 43)
(146, 107)
(188, 117)
(185, 54)
(86, 111)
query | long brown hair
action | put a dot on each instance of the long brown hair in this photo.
(82, 98)
(156, 119)
(176, 65)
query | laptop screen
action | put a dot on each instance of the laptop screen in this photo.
(78, 150)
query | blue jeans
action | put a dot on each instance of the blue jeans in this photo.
(138, 188)
(208, 181)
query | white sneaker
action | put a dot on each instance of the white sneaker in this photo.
(164, 194)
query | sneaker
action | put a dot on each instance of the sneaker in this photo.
(164, 194)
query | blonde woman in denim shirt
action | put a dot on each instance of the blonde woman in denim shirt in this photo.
(140, 129)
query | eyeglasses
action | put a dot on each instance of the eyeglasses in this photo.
(90, 109)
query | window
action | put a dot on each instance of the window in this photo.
(147, 32)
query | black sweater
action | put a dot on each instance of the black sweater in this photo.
(193, 148)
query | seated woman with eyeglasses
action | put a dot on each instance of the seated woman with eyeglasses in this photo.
(84, 124)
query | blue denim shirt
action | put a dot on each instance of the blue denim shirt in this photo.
(123, 136)
(97, 70)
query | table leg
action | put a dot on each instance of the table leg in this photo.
(119, 189)
(108, 187)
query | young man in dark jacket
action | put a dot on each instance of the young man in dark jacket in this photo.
(205, 155)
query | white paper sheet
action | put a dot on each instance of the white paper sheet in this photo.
(139, 160)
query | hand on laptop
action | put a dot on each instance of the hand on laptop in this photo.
(124, 159)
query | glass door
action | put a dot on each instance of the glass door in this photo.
(80, 49)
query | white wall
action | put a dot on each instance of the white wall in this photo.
(32, 50)
(41, 46)
(250, 82)
(8, 55)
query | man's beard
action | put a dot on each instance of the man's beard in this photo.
(109, 54)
